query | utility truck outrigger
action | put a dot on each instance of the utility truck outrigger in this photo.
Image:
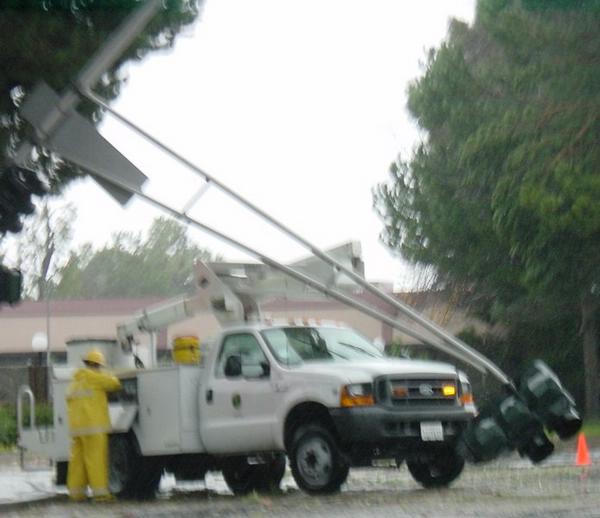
(320, 394)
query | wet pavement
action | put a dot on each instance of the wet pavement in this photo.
(557, 475)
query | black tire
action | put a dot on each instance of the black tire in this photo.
(61, 472)
(273, 472)
(315, 460)
(149, 476)
(440, 470)
(243, 478)
(132, 476)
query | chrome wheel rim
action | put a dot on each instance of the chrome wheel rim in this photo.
(315, 461)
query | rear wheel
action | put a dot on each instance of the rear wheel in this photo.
(242, 477)
(132, 476)
(439, 470)
(61, 472)
(316, 463)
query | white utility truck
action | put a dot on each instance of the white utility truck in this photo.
(319, 393)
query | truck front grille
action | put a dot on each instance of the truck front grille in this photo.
(418, 391)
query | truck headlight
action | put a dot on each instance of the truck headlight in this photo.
(357, 394)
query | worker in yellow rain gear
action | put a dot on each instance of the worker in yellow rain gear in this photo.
(89, 424)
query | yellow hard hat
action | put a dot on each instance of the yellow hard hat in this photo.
(94, 356)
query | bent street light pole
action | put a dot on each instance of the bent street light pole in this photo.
(117, 44)
(92, 72)
(406, 310)
(317, 285)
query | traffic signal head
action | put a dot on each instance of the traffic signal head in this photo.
(523, 428)
(11, 283)
(17, 185)
(542, 391)
(506, 424)
(484, 440)
(517, 420)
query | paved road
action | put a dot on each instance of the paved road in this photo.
(509, 487)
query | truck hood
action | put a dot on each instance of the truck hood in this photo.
(361, 371)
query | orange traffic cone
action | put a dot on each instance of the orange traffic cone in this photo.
(583, 454)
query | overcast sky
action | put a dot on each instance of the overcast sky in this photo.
(298, 105)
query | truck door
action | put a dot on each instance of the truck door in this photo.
(237, 406)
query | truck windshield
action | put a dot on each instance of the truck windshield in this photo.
(294, 345)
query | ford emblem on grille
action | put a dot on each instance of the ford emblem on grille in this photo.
(425, 389)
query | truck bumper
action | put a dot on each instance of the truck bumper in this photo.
(387, 431)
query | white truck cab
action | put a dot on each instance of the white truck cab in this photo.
(329, 399)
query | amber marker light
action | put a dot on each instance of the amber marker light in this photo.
(400, 391)
(467, 399)
(449, 390)
(359, 394)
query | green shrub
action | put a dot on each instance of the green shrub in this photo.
(8, 425)
(43, 415)
(8, 421)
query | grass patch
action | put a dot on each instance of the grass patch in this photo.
(591, 427)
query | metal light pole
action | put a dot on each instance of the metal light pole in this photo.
(39, 344)
(48, 366)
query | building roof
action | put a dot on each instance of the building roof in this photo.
(99, 307)
(75, 307)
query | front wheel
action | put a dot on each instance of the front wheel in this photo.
(316, 463)
(438, 471)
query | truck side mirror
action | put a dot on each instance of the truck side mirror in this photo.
(233, 366)
(266, 369)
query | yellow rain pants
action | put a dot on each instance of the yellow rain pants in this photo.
(88, 466)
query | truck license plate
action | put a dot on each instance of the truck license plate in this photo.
(432, 431)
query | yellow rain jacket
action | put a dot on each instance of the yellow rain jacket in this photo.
(87, 404)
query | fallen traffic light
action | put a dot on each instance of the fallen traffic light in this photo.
(484, 440)
(524, 430)
(11, 283)
(17, 185)
(518, 420)
(505, 425)
(545, 396)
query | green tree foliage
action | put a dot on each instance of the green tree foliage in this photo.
(503, 194)
(160, 264)
(51, 40)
